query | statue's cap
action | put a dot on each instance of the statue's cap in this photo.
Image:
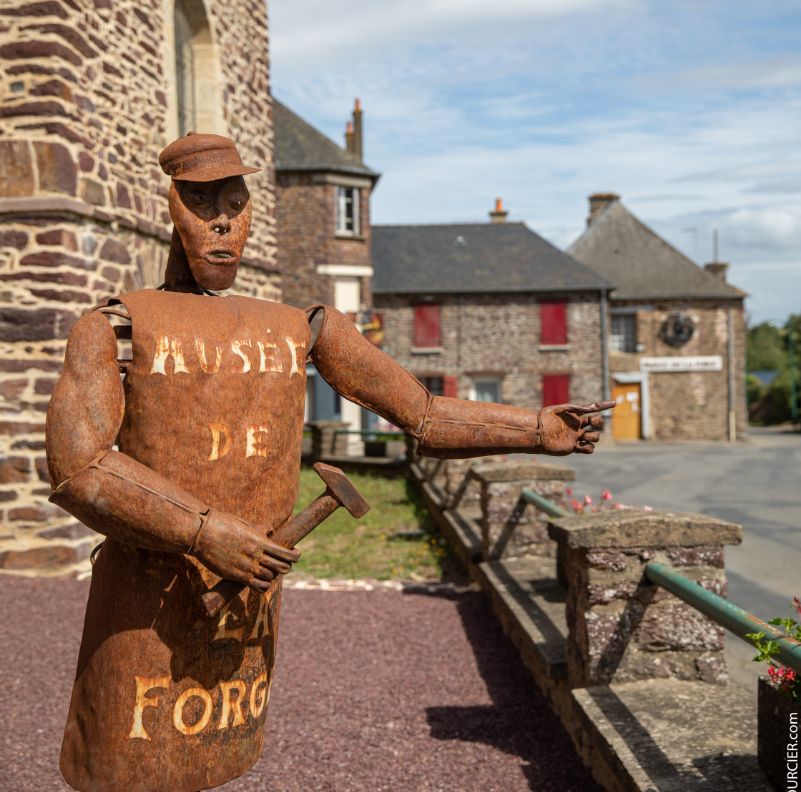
(201, 158)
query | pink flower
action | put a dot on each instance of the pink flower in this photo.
(773, 673)
(606, 495)
(587, 500)
(568, 491)
(619, 506)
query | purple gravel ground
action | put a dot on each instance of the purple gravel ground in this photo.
(374, 691)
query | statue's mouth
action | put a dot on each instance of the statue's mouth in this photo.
(221, 256)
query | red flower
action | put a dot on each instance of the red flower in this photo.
(606, 495)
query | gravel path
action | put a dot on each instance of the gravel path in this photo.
(374, 690)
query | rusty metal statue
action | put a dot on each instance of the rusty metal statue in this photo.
(208, 420)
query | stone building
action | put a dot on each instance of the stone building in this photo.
(676, 332)
(323, 212)
(90, 91)
(490, 311)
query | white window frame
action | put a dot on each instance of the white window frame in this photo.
(617, 342)
(344, 195)
(497, 382)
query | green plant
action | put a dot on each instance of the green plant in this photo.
(781, 677)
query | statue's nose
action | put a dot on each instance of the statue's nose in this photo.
(221, 224)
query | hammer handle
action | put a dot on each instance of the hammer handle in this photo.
(288, 535)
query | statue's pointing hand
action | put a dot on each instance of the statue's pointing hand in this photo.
(569, 428)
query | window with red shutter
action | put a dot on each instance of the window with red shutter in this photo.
(451, 387)
(553, 323)
(555, 389)
(426, 327)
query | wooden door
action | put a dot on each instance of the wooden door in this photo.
(626, 419)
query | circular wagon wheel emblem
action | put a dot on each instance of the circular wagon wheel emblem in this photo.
(677, 330)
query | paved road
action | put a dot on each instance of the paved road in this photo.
(755, 483)
(374, 691)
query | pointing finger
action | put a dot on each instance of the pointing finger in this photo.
(592, 408)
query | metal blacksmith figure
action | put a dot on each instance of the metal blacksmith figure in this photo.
(208, 420)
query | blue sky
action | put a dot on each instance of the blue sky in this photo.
(691, 111)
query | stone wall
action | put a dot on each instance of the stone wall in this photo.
(499, 335)
(86, 103)
(690, 405)
(307, 238)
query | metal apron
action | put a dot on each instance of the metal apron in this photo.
(165, 699)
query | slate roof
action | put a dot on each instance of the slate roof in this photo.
(468, 258)
(299, 146)
(641, 264)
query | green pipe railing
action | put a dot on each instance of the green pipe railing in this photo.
(377, 434)
(543, 504)
(736, 620)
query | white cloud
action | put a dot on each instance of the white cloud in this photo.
(309, 33)
(544, 103)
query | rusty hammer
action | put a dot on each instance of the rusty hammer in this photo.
(338, 492)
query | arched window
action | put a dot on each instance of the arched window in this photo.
(193, 72)
(184, 70)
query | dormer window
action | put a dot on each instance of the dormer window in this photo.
(347, 219)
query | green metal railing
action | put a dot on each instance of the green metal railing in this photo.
(736, 620)
(372, 434)
(543, 504)
(728, 615)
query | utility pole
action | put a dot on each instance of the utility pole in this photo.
(792, 365)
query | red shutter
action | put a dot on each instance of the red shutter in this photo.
(450, 387)
(553, 323)
(555, 389)
(426, 326)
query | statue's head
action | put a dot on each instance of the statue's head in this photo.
(209, 204)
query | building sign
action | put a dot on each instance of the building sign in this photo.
(679, 363)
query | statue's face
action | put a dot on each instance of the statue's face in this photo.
(213, 221)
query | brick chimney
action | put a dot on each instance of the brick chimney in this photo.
(358, 142)
(718, 269)
(498, 215)
(599, 202)
(349, 137)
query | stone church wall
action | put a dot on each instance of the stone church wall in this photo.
(87, 101)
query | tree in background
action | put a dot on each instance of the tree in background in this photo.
(773, 348)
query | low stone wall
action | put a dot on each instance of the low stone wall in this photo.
(637, 676)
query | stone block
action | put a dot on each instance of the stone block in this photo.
(510, 526)
(43, 558)
(57, 169)
(13, 238)
(116, 251)
(37, 324)
(628, 528)
(620, 626)
(15, 469)
(16, 169)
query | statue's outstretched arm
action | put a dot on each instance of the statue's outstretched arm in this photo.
(443, 427)
(123, 499)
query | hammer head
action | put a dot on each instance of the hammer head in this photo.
(341, 489)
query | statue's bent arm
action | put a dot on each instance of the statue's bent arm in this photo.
(443, 426)
(122, 498)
